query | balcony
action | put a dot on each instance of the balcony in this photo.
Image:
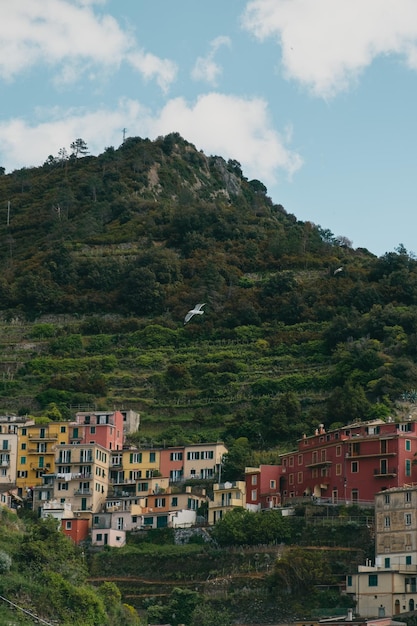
(50, 450)
(83, 492)
(46, 437)
(122, 481)
(319, 464)
(354, 455)
(388, 473)
(74, 476)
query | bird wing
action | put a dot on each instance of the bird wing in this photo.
(188, 316)
(196, 310)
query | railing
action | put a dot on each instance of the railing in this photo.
(388, 472)
(83, 492)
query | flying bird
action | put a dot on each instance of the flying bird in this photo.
(195, 311)
(339, 269)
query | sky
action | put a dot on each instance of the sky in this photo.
(315, 98)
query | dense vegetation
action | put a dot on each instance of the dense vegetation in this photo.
(252, 567)
(42, 572)
(103, 256)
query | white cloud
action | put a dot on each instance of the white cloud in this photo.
(217, 124)
(71, 39)
(326, 44)
(206, 69)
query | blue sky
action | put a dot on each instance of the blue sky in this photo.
(315, 98)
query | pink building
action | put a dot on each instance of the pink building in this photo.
(172, 463)
(351, 464)
(103, 428)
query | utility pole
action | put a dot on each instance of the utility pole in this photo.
(8, 213)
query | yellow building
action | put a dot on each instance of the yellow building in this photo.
(36, 452)
(135, 464)
(226, 496)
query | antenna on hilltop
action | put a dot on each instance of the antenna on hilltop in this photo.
(124, 134)
(8, 213)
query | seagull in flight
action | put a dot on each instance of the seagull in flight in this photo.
(197, 310)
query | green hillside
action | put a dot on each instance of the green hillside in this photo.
(103, 256)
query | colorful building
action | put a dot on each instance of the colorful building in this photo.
(226, 496)
(262, 487)
(350, 464)
(103, 428)
(37, 445)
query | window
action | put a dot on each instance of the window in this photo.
(152, 457)
(174, 501)
(68, 525)
(92, 430)
(338, 450)
(254, 494)
(338, 469)
(22, 460)
(23, 446)
(384, 446)
(373, 580)
(99, 537)
(300, 477)
(5, 444)
(387, 562)
(254, 479)
(408, 445)
(323, 455)
(136, 457)
(387, 498)
(291, 479)
(291, 461)
(159, 502)
(408, 560)
(387, 521)
(24, 432)
(272, 484)
(408, 519)
(134, 519)
(96, 519)
(407, 467)
(354, 467)
(193, 456)
(175, 456)
(63, 429)
(408, 496)
(300, 459)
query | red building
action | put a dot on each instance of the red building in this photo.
(262, 487)
(103, 428)
(352, 463)
(76, 528)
